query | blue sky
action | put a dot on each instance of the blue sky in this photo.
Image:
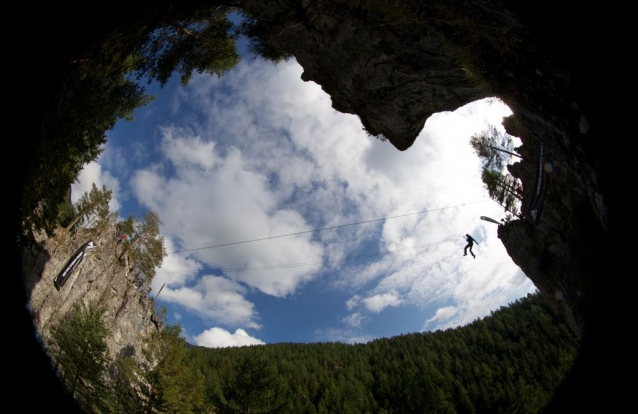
(259, 154)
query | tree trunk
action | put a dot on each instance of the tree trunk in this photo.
(81, 214)
(505, 151)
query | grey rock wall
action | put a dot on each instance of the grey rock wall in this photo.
(99, 279)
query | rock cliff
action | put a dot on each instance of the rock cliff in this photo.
(99, 278)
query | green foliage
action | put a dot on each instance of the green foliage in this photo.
(509, 362)
(65, 210)
(495, 149)
(92, 206)
(144, 246)
(193, 38)
(126, 375)
(101, 87)
(171, 383)
(259, 43)
(163, 380)
(252, 387)
(73, 134)
(81, 355)
(502, 189)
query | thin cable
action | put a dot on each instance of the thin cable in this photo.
(322, 229)
(322, 262)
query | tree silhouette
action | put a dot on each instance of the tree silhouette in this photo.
(502, 189)
(495, 149)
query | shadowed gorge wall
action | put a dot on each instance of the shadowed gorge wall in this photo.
(394, 74)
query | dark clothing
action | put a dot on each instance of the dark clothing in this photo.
(470, 243)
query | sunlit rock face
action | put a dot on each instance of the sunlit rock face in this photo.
(394, 76)
(100, 278)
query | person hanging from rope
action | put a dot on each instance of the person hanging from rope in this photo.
(470, 243)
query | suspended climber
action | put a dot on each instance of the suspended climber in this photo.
(470, 243)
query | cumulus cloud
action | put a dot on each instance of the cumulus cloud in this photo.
(184, 150)
(354, 320)
(221, 338)
(231, 203)
(215, 298)
(443, 314)
(176, 270)
(379, 302)
(93, 173)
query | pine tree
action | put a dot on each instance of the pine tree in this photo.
(171, 383)
(144, 246)
(495, 149)
(92, 206)
(184, 37)
(252, 388)
(80, 352)
(502, 189)
(125, 374)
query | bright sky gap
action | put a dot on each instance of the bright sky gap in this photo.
(260, 152)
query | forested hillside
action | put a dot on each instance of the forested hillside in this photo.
(510, 362)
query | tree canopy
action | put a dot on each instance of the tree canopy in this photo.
(495, 149)
(152, 42)
(144, 246)
(509, 362)
(92, 206)
(252, 387)
(81, 354)
(169, 382)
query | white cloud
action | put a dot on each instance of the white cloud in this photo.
(93, 173)
(443, 314)
(353, 302)
(377, 303)
(185, 151)
(354, 320)
(220, 338)
(215, 298)
(176, 269)
(227, 204)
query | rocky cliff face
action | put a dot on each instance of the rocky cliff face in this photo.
(100, 278)
(394, 73)
(392, 77)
